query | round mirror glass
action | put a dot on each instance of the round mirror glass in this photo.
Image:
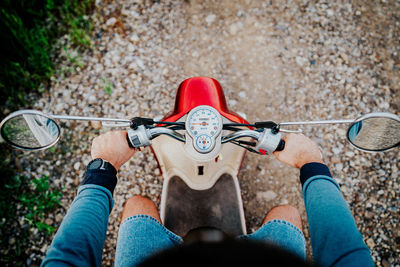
(375, 132)
(29, 130)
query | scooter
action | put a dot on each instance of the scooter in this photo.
(200, 147)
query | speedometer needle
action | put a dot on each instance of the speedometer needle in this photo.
(200, 123)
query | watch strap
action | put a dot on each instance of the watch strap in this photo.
(312, 169)
(101, 164)
(101, 172)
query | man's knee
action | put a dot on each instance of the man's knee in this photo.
(139, 205)
(286, 213)
(135, 201)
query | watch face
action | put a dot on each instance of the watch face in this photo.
(95, 164)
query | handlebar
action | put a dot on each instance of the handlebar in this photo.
(240, 134)
(154, 132)
(281, 146)
(267, 140)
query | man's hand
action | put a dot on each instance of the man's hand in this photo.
(112, 147)
(298, 151)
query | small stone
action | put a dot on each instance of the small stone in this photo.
(301, 61)
(267, 195)
(330, 13)
(344, 57)
(77, 165)
(140, 63)
(96, 124)
(134, 38)
(232, 102)
(370, 242)
(195, 54)
(92, 99)
(11, 241)
(233, 29)
(49, 221)
(335, 159)
(44, 248)
(341, 132)
(349, 154)
(59, 217)
(111, 21)
(284, 202)
(369, 215)
(381, 172)
(242, 94)
(385, 263)
(210, 19)
(344, 188)
(339, 166)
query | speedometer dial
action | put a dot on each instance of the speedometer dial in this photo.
(204, 124)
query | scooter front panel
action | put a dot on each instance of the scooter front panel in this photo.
(199, 174)
(174, 161)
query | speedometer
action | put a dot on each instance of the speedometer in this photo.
(204, 125)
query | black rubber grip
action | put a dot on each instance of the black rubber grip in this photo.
(281, 146)
(129, 141)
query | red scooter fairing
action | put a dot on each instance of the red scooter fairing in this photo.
(198, 91)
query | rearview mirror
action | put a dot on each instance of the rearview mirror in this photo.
(30, 130)
(375, 132)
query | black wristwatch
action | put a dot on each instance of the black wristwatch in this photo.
(101, 164)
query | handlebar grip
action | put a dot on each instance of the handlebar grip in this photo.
(129, 141)
(281, 146)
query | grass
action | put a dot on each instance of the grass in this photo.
(108, 86)
(30, 31)
(38, 202)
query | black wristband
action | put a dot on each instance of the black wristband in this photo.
(312, 169)
(105, 178)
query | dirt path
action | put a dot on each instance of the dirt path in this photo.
(276, 60)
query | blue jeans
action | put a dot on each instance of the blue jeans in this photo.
(140, 236)
(79, 240)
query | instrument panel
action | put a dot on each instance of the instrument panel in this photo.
(204, 125)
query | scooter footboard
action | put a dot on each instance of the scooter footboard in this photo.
(217, 207)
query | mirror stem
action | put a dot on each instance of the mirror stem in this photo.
(62, 117)
(315, 122)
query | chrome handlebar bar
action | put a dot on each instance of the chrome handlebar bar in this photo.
(243, 133)
(267, 140)
(174, 134)
(154, 132)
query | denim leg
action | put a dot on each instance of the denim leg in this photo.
(141, 236)
(283, 234)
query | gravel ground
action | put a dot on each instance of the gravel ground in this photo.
(276, 60)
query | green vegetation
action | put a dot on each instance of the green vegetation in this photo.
(30, 199)
(108, 87)
(38, 202)
(30, 31)
(32, 34)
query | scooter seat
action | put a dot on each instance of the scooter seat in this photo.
(217, 207)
